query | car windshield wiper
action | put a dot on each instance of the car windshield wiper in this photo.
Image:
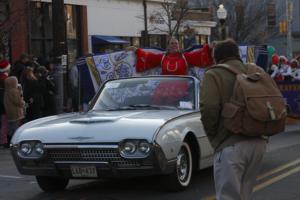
(158, 107)
(120, 108)
(139, 106)
(144, 106)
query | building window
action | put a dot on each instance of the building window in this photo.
(126, 45)
(135, 41)
(4, 32)
(73, 35)
(4, 10)
(41, 30)
(203, 39)
(158, 41)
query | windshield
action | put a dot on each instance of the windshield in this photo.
(163, 93)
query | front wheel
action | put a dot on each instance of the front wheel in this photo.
(181, 177)
(52, 184)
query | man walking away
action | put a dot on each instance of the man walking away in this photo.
(237, 157)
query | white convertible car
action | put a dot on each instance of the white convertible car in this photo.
(139, 126)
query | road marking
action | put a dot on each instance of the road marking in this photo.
(213, 197)
(278, 169)
(276, 178)
(14, 177)
(272, 180)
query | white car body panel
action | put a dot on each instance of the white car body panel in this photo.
(164, 129)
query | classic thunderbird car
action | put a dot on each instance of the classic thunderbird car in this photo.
(138, 126)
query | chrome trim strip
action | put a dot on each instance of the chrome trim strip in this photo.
(80, 162)
(29, 157)
(134, 157)
(50, 146)
(172, 119)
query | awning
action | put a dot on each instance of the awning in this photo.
(101, 39)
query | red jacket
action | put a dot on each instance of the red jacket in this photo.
(175, 63)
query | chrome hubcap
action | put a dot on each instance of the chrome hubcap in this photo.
(182, 165)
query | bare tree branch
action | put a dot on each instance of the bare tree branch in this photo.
(246, 21)
(173, 15)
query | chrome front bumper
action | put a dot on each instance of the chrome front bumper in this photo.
(106, 159)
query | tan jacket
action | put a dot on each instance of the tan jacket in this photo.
(216, 89)
(13, 100)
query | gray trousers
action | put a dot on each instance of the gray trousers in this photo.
(236, 168)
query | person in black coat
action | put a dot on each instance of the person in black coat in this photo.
(49, 91)
(19, 66)
(33, 95)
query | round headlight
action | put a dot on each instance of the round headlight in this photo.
(26, 148)
(39, 148)
(144, 147)
(129, 148)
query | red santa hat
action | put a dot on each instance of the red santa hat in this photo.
(4, 66)
(283, 60)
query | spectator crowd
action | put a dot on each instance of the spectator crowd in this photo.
(27, 92)
(284, 70)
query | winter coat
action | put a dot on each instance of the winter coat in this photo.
(49, 92)
(217, 89)
(17, 70)
(33, 97)
(13, 100)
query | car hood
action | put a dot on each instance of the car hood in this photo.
(92, 127)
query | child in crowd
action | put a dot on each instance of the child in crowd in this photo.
(274, 69)
(14, 105)
(295, 69)
(285, 68)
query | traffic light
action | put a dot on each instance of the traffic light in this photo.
(283, 27)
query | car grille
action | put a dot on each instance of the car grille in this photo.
(111, 156)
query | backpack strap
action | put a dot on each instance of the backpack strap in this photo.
(226, 67)
(251, 68)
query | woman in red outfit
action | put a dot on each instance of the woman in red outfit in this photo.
(173, 62)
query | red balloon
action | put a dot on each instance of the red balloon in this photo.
(275, 59)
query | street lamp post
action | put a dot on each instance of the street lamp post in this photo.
(222, 15)
(60, 52)
(145, 32)
(289, 16)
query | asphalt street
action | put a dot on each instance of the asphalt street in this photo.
(279, 179)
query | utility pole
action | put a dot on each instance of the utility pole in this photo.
(145, 32)
(289, 18)
(60, 52)
(59, 28)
